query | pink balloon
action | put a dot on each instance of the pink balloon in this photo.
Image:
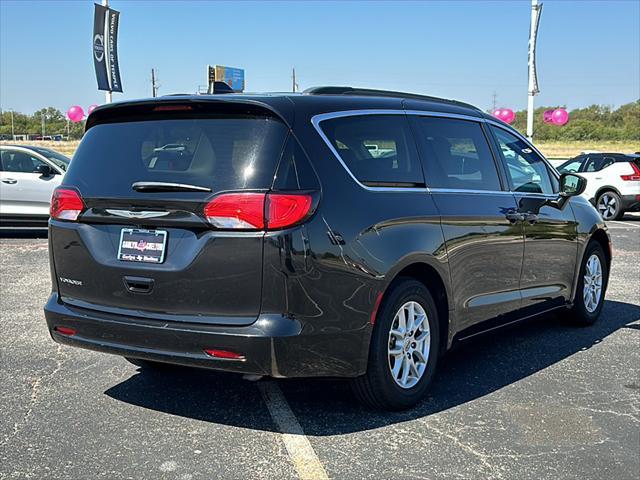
(497, 113)
(91, 108)
(507, 115)
(75, 113)
(560, 116)
(547, 116)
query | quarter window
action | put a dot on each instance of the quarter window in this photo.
(378, 149)
(527, 170)
(455, 154)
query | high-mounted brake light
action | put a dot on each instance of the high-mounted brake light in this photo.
(172, 108)
(257, 211)
(635, 176)
(66, 204)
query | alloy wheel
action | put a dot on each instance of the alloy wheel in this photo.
(607, 206)
(592, 290)
(409, 345)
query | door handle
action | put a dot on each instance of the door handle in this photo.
(514, 216)
(10, 181)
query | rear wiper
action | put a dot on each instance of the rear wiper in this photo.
(167, 187)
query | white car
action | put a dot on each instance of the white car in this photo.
(28, 176)
(613, 181)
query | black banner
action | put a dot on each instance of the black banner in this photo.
(99, 48)
(113, 19)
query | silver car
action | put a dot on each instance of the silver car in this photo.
(28, 176)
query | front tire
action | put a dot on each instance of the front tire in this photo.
(404, 349)
(609, 205)
(592, 285)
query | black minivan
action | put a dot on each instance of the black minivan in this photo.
(339, 232)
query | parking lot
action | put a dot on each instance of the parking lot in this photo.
(542, 400)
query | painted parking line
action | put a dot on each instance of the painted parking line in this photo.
(624, 224)
(304, 458)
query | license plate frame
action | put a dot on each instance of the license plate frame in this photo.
(139, 238)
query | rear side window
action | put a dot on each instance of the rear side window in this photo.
(378, 149)
(455, 154)
(220, 152)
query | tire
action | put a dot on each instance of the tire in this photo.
(378, 388)
(609, 205)
(583, 312)
(147, 364)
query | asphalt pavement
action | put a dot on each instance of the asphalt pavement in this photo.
(541, 400)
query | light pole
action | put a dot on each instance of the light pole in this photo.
(43, 129)
(107, 94)
(536, 10)
(13, 134)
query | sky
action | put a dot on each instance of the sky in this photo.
(588, 51)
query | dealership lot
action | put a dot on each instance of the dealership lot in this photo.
(538, 401)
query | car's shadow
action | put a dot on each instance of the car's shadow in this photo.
(327, 407)
(31, 232)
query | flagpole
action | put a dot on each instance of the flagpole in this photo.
(533, 83)
(107, 94)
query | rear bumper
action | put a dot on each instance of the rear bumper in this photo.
(631, 203)
(273, 345)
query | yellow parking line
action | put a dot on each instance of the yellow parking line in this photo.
(304, 458)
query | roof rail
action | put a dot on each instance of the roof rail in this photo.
(369, 92)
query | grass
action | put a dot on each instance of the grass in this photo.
(562, 149)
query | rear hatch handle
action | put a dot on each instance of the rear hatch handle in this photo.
(140, 285)
(167, 187)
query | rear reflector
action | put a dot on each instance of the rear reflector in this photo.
(65, 330)
(246, 211)
(635, 176)
(66, 204)
(224, 354)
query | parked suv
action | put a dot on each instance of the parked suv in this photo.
(613, 181)
(261, 234)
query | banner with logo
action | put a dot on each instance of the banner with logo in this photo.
(113, 20)
(99, 48)
(105, 48)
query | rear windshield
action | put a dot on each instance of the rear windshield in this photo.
(219, 152)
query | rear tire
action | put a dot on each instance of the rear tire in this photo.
(609, 205)
(391, 350)
(590, 292)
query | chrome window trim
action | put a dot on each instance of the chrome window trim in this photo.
(470, 191)
(317, 119)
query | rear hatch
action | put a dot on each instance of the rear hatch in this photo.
(147, 241)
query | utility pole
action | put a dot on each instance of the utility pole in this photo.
(493, 108)
(13, 134)
(43, 129)
(107, 94)
(294, 86)
(154, 85)
(536, 11)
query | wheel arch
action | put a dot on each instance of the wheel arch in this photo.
(433, 280)
(605, 188)
(600, 236)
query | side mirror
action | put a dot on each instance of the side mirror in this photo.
(44, 170)
(571, 185)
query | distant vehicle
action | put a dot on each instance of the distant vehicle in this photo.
(28, 176)
(613, 181)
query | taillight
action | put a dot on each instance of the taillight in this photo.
(257, 211)
(66, 204)
(236, 211)
(285, 210)
(635, 176)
